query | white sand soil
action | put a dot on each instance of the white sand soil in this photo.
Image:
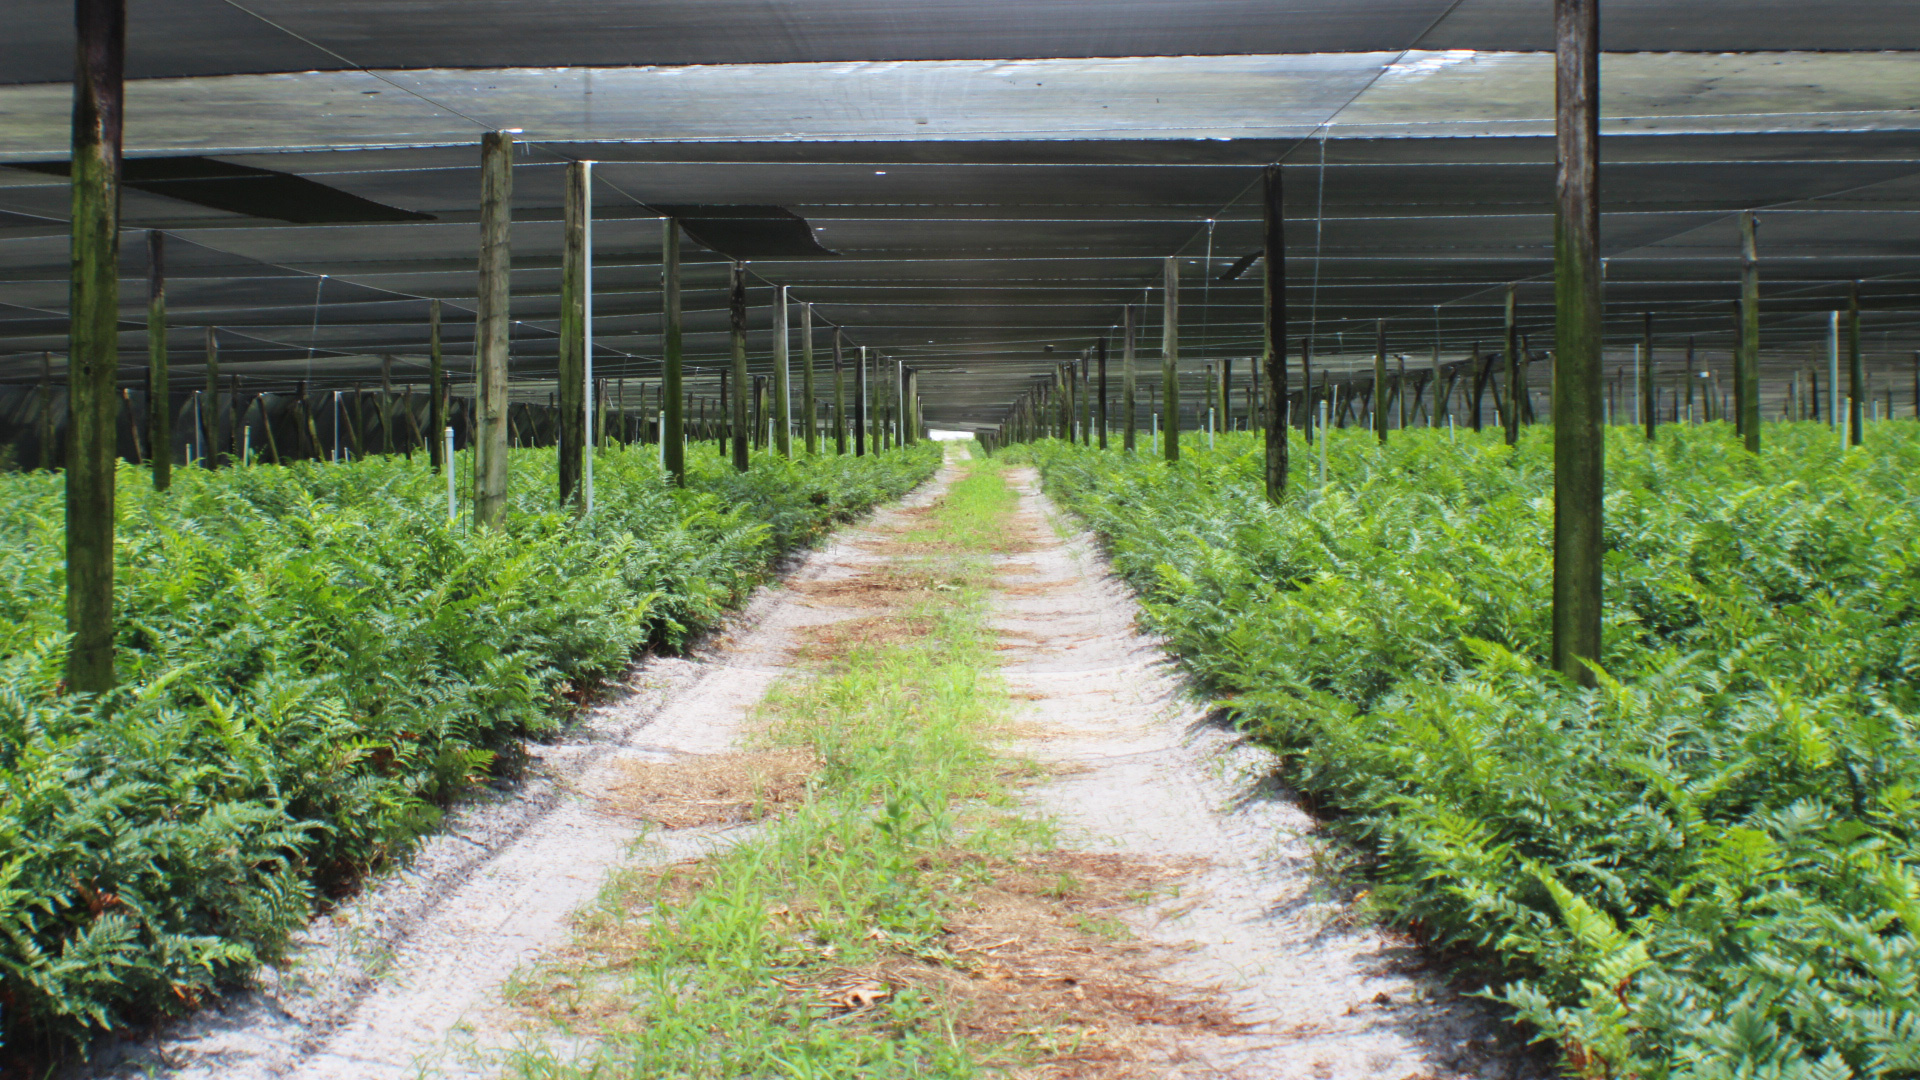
(406, 979)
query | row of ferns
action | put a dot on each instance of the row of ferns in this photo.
(1707, 866)
(314, 661)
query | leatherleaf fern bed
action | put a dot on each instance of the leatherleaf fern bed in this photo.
(313, 663)
(1704, 868)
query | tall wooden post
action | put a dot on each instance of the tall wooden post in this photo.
(839, 396)
(386, 404)
(1647, 403)
(737, 326)
(159, 397)
(1856, 370)
(93, 348)
(1380, 379)
(1513, 394)
(1127, 388)
(1578, 447)
(1086, 397)
(210, 407)
(1749, 332)
(492, 328)
(809, 414)
(782, 381)
(860, 406)
(912, 407)
(1100, 350)
(1224, 403)
(673, 381)
(1170, 361)
(437, 388)
(572, 373)
(1307, 419)
(1437, 404)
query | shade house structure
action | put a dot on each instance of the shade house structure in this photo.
(974, 191)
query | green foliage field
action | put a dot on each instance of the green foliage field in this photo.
(1707, 867)
(313, 663)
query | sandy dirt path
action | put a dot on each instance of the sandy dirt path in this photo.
(405, 980)
(1142, 770)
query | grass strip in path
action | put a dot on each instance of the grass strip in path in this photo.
(899, 920)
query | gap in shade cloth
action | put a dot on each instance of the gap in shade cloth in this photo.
(243, 189)
(749, 232)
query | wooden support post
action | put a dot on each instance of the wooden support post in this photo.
(210, 406)
(1647, 404)
(406, 409)
(1128, 388)
(1100, 351)
(571, 373)
(386, 404)
(1170, 361)
(1379, 395)
(1749, 365)
(860, 406)
(782, 412)
(912, 411)
(437, 391)
(1400, 391)
(493, 328)
(737, 327)
(1273, 251)
(47, 458)
(1225, 402)
(1578, 446)
(809, 413)
(1308, 420)
(839, 396)
(159, 397)
(1511, 416)
(92, 344)
(1856, 371)
(673, 372)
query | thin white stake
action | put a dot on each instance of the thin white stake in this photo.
(453, 496)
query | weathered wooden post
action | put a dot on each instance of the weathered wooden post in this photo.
(1380, 379)
(782, 412)
(839, 397)
(1578, 447)
(1856, 371)
(810, 414)
(386, 404)
(93, 347)
(912, 411)
(673, 372)
(737, 329)
(1513, 395)
(572, 373)
(210, 407)
(436, 389)
(159, 397)
(1170, 361)
(1306, 388)
(1646, 376)
(1273, 250)
(1749, 331)
(1128, 393)
(1100, 351)
(492, 328)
